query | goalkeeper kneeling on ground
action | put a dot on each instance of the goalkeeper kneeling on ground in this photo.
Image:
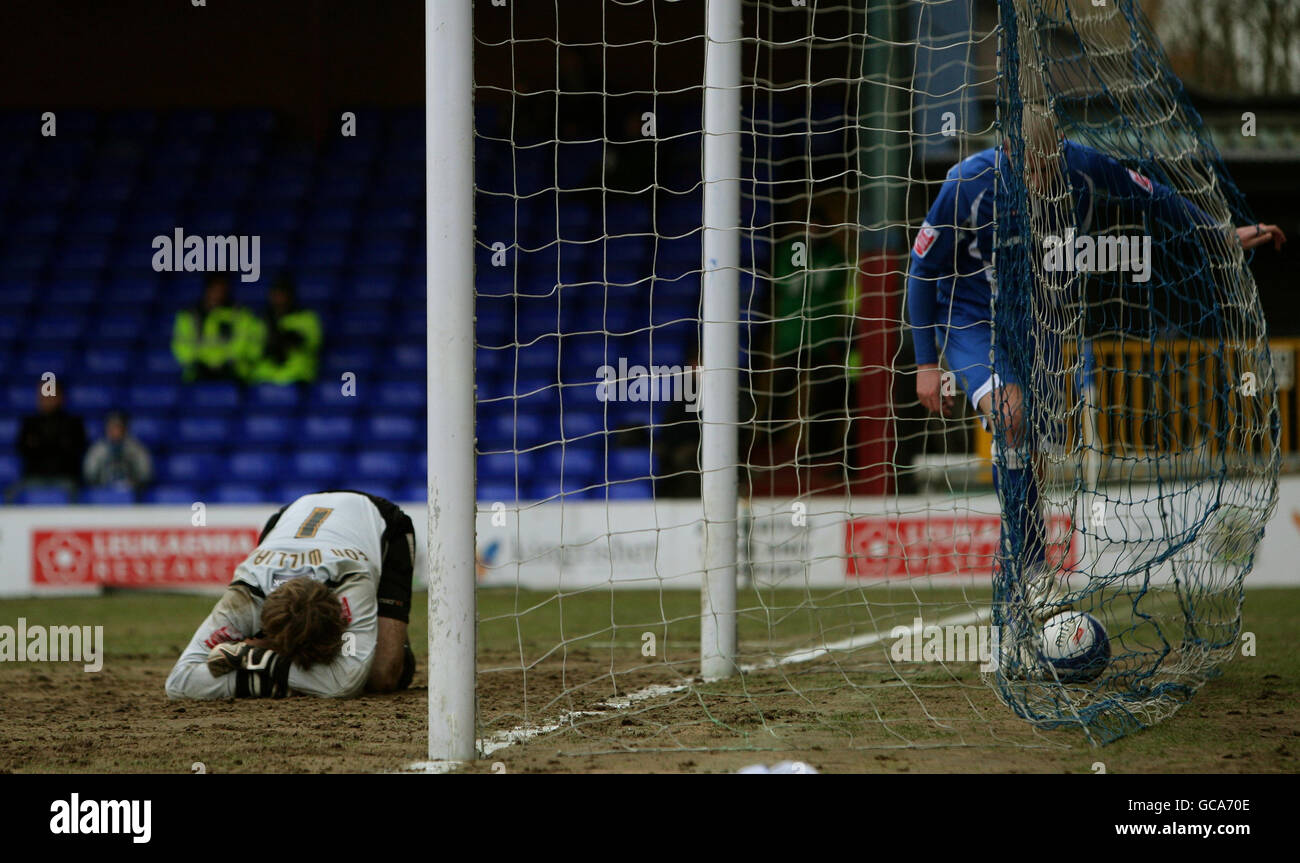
(320, 607)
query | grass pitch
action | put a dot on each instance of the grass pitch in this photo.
(615, 672)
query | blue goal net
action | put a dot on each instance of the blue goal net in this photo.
(1138, 396)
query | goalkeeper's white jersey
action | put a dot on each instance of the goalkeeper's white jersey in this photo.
(336, 538)
(323, 536)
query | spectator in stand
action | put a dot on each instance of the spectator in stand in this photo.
(118, 460)
(216, 340)
(50, 443)
(289, 337)
(814, 306)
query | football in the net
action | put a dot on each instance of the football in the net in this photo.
(1076, 646)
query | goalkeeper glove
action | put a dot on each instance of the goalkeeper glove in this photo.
(259, 672)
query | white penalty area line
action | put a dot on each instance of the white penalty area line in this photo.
(503, 739)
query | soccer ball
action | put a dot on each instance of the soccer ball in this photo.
(1075, 646)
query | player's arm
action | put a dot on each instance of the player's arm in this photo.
(394, 664)
(1166, 203)
(931, 263)
(231, 621)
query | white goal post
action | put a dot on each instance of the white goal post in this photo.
(449, 185)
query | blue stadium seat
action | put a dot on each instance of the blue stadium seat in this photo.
(318, 287)
(505, 466)
(108, 496)
(28, 257)
(507, 431)
(214, 395)
(44, 496)
(628, 217)
(409, 358)
(390, 217)
(413, 326)
(126, 291)
(151, 429)
(631, 490)
(570, 488)
(266, 429)
(400, 395)
(92, 398)
(174, 493)
(359, 360)
(274, 217)
(38, 361)
(330, 218)
(202, 430)
(191, 467)
(376, 289)
(319, 430)
(323, 252)
(399, 428)
(631, 463)
(152, 397)
(360, 324)
(161, 361)
(10, 468)
(488, 493)
(90, 253)
(119, 327)
(381, 465)
(254, 466)
(324, 467)
(21, 398)
(274, 396)
(16, 293)
(576, 462)
(55, 330)
(234, 492)
(287, 492)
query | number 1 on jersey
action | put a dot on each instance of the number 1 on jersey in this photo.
(312, 523)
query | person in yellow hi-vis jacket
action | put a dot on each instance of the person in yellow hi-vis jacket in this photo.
(216, 339)
(289, 338)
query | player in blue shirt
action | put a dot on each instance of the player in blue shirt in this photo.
(951, 285)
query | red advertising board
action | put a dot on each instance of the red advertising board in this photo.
(903, 546)
(139, 557)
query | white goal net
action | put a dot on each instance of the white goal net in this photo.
(711, 511)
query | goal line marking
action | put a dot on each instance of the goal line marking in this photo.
(503, 739)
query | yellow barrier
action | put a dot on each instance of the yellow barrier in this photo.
(1183, 396)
